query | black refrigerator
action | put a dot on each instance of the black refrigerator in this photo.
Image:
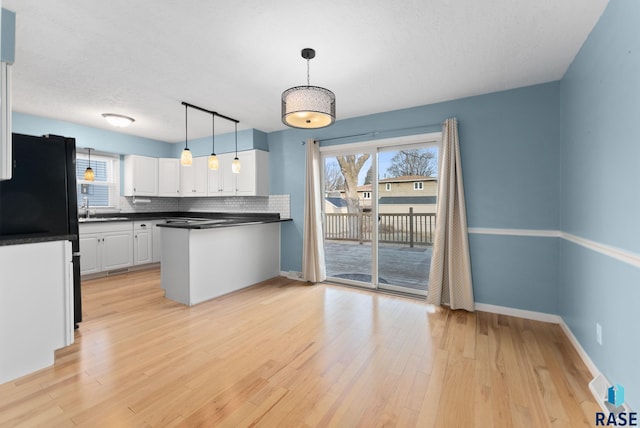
(40, 199)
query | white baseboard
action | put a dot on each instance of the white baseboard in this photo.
(519, 313)
(291, 274)
(581, 352)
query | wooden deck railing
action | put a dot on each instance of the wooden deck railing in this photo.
(397, 228)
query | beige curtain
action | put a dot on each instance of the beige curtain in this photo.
(450, 276)
(313, 267)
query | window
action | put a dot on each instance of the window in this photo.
(417, 185)
(366, 195)
(387, 187)
(104, 191)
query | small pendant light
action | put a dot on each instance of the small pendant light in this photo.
(186, 159)
(88, 173)
(213, 159)
(235, 165)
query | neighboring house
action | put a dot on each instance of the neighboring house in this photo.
(398, 194)
(335, 205)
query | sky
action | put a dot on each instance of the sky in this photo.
(384, 162)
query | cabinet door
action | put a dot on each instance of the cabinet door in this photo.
(228, 178)
(145, 173)
(214, 181)
(90, 254)
(117, 250)
(246, 179)
(187, 180)
(140, 176)
(168, 177)
(142, 246)
(200, 176)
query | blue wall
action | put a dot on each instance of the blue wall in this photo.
(99, 139)
(600, 107)
(510, 155)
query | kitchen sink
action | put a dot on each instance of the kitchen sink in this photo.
(184, 220)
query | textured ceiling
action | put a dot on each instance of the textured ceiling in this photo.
(78, 59)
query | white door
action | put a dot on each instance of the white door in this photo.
(228, 178)
(117, 250)
(142, 243)
(168, 177)
(146, 176)
(246, 179)
(89, 254)
(201, 168)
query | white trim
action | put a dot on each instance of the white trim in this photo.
(579, 349)
(367, 146)
(625, 256)
(519, 313)
(616, 253)
(515, 232)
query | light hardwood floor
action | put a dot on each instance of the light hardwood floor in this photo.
(285, 354)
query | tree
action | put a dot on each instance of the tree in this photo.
(413, 162)
(350, 166)
(368, 179)
(333, 179)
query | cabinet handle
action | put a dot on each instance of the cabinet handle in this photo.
(143, 225)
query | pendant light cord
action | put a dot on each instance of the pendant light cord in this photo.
(236, 140)
(213, 134)
(308, 84)
(186, 126)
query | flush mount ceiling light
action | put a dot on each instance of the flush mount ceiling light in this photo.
(118, 120)
(186, 159)
(88, 173)
(308, 107)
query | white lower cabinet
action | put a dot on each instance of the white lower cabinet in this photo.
(142, 242)
(105, 247)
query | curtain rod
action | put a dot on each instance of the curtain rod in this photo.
(210, 112)
(374, 133)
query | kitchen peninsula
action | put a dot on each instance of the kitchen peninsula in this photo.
(206, 258)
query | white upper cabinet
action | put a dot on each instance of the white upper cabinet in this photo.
(140, 176)
(194, 178)
(253, 179)
(168, 177)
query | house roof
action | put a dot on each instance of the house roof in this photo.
(337, 202)
(406, 200)
(405, 178)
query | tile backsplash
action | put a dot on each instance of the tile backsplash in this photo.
(266, 204)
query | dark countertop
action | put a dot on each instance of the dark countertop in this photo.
(33, 239)
(197, 220)
(192, 220)
(222, 222)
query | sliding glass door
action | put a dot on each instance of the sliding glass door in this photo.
(347, 214)
(379, 213)
(407, 191)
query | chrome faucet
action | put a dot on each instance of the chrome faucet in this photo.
(85, 206)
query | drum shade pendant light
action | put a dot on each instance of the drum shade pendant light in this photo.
(88, 173)
(308, 107)
(118, 120)
(213, 159)
(235, 165)
(186, 159)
